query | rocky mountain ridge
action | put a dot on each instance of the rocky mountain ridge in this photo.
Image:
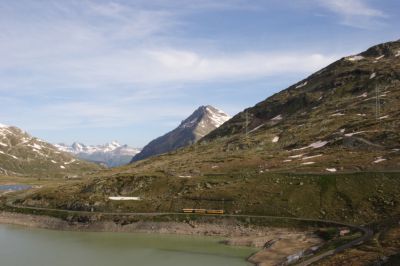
(201, 122)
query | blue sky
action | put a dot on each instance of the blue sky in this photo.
(98, 70)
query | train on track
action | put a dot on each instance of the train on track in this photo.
(202, 211)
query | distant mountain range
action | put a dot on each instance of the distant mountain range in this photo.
(201, 122)
(22, 154)
(110, 154)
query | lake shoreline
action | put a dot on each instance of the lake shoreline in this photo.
(235, 233)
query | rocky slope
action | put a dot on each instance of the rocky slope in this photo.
(197, 125)
(22, 154)
(110, 154)
(345, 117)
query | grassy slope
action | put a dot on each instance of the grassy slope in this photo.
(359, 198)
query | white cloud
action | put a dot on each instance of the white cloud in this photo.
(94, 45)
(157, 66)
(352, 8)
(184, 65)
(109, 9)
(114, 113)
(356, 13)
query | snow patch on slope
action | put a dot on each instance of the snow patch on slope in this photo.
(315, 145)
(296, 156)
(379, 159)
(355, 58)
(277, 118)
(318, 144)
(310, 157)
(302, 84)
(35, 146)
(354, 133)
(256, 128)
(337, 114)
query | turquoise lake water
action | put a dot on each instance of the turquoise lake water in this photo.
(21, 246)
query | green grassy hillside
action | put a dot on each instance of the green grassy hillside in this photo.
(360, 198)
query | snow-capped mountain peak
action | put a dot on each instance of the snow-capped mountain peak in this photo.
(115, 143)
(205, 115)
(217, 116)
(201, 122)
(78, 147)
(110, 146)
(111, 154)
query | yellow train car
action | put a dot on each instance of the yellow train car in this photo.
(214, 211)
(194, 210)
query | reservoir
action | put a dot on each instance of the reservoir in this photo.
(20, 246)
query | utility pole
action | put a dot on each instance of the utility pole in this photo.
(247, 124)
(377, 103)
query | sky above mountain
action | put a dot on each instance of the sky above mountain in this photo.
(94, 71)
